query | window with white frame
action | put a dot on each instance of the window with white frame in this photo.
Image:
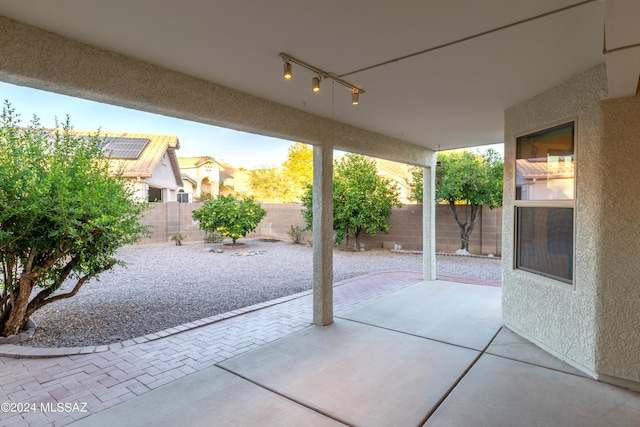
(544, 205)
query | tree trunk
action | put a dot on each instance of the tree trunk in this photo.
(17, 316)
(357, 236)
(465, 228)
(472, 223)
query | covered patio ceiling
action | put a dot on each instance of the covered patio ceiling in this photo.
(437, 73)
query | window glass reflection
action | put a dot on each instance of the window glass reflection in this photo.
(545, 164)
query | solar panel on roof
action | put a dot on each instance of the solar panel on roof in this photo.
(120, 147)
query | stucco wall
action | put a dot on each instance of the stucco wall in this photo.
(618, 267)
(163, 177)
(560, 318)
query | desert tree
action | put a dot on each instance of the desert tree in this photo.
(362, 199)
(271, 185)
(63, 215)
(465, 180)
(229, 216)
(298, 168)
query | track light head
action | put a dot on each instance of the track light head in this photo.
(287, 71)
(320, 74)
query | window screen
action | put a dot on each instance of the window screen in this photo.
(545, 241)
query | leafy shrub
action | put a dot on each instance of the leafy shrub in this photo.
(178, 238)
(63, 215)
(229, 217)
(295, 232)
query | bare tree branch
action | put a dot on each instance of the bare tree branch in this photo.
(36, 305)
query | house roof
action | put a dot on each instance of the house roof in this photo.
(191, 180)
(542, 169)
(144, 162)
(400, 171)
(227, 171)
(194, 162)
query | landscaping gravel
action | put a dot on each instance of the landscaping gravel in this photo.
(166, 285)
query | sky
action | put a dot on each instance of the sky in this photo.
(240, 149)
(196, 139)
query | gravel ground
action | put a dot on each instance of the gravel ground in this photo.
(166, 285)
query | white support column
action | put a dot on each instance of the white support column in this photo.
(322, 235)
(429, 221)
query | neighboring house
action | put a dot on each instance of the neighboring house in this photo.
(227, 178)
(148, 160)
(400, 174)
(201, 175)
(545, 178)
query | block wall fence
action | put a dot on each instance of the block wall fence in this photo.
(169, 218)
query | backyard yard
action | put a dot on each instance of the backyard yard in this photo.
(166, 285)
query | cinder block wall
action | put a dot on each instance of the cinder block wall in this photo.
(156, 218)
(406, 227)
(448, 232)
(406, 230)
(278, 221)
(491, 231)
(168, 218)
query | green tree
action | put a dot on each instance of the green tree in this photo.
(271, 185)
(468, 179)
(298, 167)
(362, 199)
(417, 185)
(63, 215)
(229, 217)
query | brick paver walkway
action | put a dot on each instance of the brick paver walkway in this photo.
(57, 386)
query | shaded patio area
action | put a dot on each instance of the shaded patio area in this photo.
(433, 353)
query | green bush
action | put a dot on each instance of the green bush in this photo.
(63, 215)
(295, 232)
(229, 217)
(362, 199)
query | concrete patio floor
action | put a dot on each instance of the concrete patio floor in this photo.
(432, 354)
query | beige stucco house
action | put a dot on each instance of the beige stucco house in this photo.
(462, 74)
(227, 178)
(201, 175)
(400, 175)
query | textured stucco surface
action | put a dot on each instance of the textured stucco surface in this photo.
(618, 344)
(429, 221)
(322, 235)
(561, 318)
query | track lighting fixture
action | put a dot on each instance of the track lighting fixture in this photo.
(320, 74)
(287, 71)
